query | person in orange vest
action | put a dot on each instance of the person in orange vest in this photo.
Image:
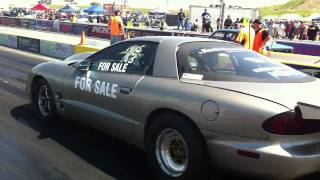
(116, 28)
(261, 37)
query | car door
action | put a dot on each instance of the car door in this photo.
(104, 95)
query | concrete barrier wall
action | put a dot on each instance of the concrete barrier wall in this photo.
(47, 48)
(57, 50)
(8, 40)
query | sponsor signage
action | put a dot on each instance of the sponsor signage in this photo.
(100, 31)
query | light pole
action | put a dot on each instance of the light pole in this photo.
(167, 6)
(222, 7)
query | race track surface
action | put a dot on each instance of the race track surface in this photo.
(61, 150)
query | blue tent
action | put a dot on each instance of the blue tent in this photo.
(67, 9)
(94, 10)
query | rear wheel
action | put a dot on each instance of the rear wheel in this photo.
(43, 101)
(176, 149)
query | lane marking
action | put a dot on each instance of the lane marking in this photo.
(11, 83)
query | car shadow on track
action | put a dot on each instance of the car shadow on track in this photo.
(109, 154)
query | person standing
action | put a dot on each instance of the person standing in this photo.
(116, 28)
(313, 31)
(270, 28)
(206, 22)
(228, 23)
(246, 35)
(237, 24)
(219, 23)
(181, 17)
(303, 31)
(292, 30)
(261, 37)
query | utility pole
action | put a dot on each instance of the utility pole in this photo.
(222, 7)
(167, 6)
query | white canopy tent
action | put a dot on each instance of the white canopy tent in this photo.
(291, 17)
(270, 17)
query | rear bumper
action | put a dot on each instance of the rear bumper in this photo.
(273, 160)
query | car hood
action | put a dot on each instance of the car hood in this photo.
(285, 94)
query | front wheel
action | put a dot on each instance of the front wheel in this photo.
(43, 101)
(176, 149)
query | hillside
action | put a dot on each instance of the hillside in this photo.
(302, 7)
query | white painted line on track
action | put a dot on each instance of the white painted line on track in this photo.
(11, 83)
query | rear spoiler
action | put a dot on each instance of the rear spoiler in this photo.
(309, 111)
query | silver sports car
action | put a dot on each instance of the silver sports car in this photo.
(193, 104)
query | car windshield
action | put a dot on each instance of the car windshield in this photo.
(209, 61)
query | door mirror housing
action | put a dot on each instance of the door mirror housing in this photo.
(83, 65)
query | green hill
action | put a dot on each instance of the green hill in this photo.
(301, 7)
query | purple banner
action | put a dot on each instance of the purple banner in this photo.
(4, 20)
(12, 22)
(44, 25)
(305, 48)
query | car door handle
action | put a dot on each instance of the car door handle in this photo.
(125, 90)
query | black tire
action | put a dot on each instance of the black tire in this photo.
(52, 113)
(198, 163)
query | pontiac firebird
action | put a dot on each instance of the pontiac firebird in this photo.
(193, 104)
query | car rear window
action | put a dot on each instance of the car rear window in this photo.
(227, 62)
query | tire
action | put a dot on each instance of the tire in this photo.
(45, 110)
(187, 149)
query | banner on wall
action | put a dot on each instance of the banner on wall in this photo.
(65, 27)
(28, 44)
(100, 31)
(78, 28)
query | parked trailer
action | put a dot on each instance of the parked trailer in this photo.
(234, 12)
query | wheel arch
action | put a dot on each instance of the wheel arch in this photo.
(157, 112)
(34, 81)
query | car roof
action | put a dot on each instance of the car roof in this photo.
(165, 63)
(229, 30)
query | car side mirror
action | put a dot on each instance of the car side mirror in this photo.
(83, 65)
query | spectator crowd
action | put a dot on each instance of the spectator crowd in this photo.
(280, 29)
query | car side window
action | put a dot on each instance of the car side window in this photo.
(218, 63)
(230, 37)
(218, 35)
(127, 57)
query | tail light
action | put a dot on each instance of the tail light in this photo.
(291, 123)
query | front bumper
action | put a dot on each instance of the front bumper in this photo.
(276, 159)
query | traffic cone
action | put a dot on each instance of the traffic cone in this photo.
(83, 40)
